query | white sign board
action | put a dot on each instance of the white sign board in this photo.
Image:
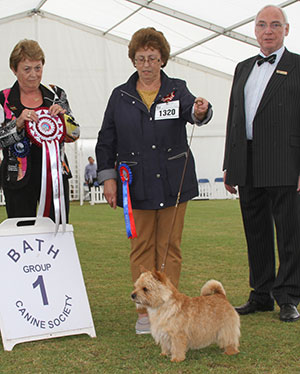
(42, 291)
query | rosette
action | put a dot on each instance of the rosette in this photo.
(48, 128)
(21, 149)
(47, 133)
(126, 178)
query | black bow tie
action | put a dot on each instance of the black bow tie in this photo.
(271, 59)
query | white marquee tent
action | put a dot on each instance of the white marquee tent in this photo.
(85, 43)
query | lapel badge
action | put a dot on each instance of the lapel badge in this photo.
(282, 72)
(169, 97)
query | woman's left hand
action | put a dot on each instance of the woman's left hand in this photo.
(200, 108)
(56, 109)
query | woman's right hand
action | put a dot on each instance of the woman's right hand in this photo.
(110, 192)
(26, 115)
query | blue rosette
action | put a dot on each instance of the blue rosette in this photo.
(21, 149)
(126, 178)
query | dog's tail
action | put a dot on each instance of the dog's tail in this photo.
(211, 287)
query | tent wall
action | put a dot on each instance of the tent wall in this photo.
(88, 66)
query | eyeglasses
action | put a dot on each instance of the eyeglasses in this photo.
(151, 60)
(273, 25)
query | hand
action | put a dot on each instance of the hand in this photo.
(228, 187)
(298, 187)
(26, 115)
(56, 109)
(110, 192)
(200, 108)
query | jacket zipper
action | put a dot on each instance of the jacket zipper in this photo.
(141, 101)
(135, 98)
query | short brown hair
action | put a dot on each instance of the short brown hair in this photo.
(149, 38)
(29, 49)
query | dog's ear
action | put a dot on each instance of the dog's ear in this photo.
(143, 269)
(161, 277)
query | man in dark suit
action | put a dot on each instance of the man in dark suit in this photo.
(262, 158)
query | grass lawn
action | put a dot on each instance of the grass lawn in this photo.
(213, 246)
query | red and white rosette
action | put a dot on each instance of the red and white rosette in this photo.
(48, 133)
(47, 129)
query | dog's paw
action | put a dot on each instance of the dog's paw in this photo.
(177, 359)
(230, 350)
(164, 354)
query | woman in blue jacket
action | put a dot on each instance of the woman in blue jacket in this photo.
(144, 127)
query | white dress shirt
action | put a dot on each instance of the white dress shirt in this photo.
(255, 87)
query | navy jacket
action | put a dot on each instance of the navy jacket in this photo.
(155, 150)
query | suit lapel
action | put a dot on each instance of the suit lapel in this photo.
(283, 69)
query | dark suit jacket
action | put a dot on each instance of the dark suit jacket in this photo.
(276, 127)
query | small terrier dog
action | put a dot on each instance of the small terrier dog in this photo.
(179, 322)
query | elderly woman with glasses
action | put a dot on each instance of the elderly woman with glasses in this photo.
(144, 128)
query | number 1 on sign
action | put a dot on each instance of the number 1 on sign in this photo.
(40, 282)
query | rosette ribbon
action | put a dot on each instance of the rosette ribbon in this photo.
(21, 151)
(126, 178)
(48, 133)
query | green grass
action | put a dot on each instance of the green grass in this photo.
(213, 246)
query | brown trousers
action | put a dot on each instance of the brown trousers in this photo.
(149, 248)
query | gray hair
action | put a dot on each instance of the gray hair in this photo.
(276, 7)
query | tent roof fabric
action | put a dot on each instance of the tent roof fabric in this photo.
(217, 34)
(85, 44)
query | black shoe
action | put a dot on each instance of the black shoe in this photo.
(288, 313)
(252, 306)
